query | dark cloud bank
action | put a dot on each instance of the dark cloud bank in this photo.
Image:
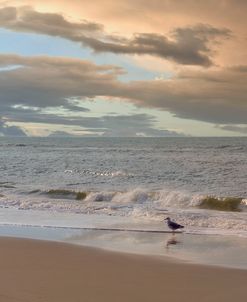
(215, 96)
(40, 82)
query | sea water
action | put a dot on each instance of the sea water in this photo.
(65, 188)
(141, 180)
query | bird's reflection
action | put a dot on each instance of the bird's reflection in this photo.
(172, 241)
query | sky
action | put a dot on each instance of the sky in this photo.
(161, 68)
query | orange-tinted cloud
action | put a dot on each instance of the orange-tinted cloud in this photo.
(188, 46)
(160, 17)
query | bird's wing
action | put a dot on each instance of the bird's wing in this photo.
(175, 225)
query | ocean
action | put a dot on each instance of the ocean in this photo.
(145, 179)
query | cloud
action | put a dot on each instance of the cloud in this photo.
(217, 95)
(107, 125)
(61, 134)
(51, 82)
(26, 19)
(233, 128)
(6, 130)
(61, 83)
(187, 46)
(134, 125)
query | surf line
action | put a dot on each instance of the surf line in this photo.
(97, 229)
(128, 230)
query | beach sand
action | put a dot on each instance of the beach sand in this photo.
(41, 271)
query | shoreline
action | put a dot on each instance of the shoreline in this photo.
(35, 270)
(218, 251)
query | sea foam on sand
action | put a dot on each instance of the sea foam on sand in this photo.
(196, 246)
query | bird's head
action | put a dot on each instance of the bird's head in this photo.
(167, 218)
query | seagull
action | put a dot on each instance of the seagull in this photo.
(173, 225)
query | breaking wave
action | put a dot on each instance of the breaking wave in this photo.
(140, 204)
(162, 199)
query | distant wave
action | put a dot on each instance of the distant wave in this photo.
(7, 185)
(107, 173)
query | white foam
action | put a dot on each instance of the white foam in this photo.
(170, 198)
(138, 203)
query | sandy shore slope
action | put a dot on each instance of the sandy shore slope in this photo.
(37, 271)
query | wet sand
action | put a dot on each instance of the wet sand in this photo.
(41, 271)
